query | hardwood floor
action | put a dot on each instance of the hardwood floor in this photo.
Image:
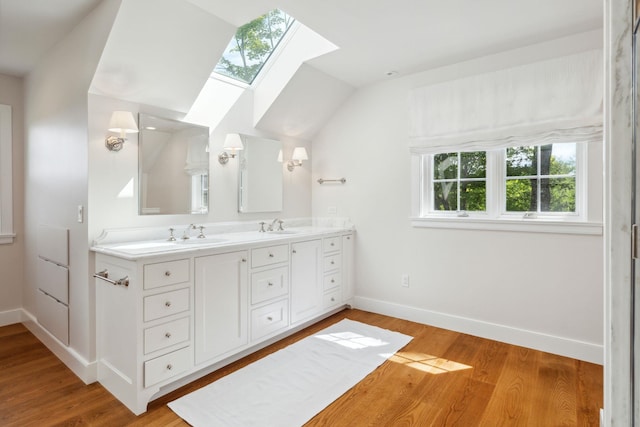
(441, 378)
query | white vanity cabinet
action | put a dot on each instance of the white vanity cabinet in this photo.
(144, 325)
(220, 305)
(185, 313)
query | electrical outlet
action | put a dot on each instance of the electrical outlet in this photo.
(404, 280)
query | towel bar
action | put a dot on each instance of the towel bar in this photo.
(104, 275)
(341, 180)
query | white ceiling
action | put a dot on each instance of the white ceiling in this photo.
(374, 36)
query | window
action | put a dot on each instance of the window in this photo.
(541, 179)
(252, 45)
(536, 183)
(460, 181)
(6, 198)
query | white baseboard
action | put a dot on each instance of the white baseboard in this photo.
(86, 371)
(11, 317)
(580, 350)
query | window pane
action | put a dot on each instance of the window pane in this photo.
(473, 196)
(473, 165)
(522, 195)
(558, 195)
(445, 196)
(522, 161)
(563, 159)
(252, 46)
(445, 166)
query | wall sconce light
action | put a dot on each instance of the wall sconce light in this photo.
(299, 154)
(122, 122)
(232, 142)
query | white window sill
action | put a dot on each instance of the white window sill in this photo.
(517, 225)
(6, 239)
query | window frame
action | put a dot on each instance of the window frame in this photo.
(496, 216)
(6, 176)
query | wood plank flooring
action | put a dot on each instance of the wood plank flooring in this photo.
(441, 378)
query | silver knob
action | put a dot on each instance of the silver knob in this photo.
(332, 262)
(333, 244)
(244, 260)
(333, 299)
(167, 273)
(168, 335)
(167, 304)
(269, 284)
(333, 280)
(270, 255)
(269, 318)
(294, 251)
(169, 367)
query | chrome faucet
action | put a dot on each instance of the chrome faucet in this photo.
(187, 232)
(279, 221)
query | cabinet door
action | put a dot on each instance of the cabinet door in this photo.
(348, 286)
(221, 304)
(306, 280)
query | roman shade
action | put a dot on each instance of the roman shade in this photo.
(557, 100)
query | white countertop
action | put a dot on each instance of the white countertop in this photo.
(138, 249)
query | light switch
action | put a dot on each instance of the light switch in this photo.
(80, 213)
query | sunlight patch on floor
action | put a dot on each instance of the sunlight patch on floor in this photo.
(428, 363)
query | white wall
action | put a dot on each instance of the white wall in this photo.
(11, 260)
(540, 290)
(56, 163)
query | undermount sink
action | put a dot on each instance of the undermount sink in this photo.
(198, 241)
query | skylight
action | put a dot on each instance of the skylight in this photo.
(252, 45)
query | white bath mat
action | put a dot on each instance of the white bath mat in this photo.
(290, 386)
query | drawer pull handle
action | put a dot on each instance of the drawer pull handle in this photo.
(332, 262)
(333, 280)
(167, 273)
(270, 255)
(169, 367)
(270, 318)
(104, 275)
(167, 304)
(244, 260)
(294, 251)
(168, 334)
(333, 244)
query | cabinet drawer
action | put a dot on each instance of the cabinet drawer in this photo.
(332, 281)
(166, 273)
(331, 244)
(166, 304)
(269, 255)
(332, 262)
(331, 299)
(166, 335)
(269, 284)
(167, 366)
(270, 318)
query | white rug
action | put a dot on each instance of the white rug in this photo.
(290, 386)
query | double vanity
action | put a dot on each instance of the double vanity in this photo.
(170, 311)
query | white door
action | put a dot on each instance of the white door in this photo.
(306, 280)
(221, 305)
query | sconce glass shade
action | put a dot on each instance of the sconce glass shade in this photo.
(123, 122)
(299, 154)
(233, 141)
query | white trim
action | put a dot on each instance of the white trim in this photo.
(85, 370)
(6, 185)
(11, 317)
(567, 347)
(516, 225)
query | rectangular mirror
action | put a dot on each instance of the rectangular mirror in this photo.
(260, 175)
(173, 166)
